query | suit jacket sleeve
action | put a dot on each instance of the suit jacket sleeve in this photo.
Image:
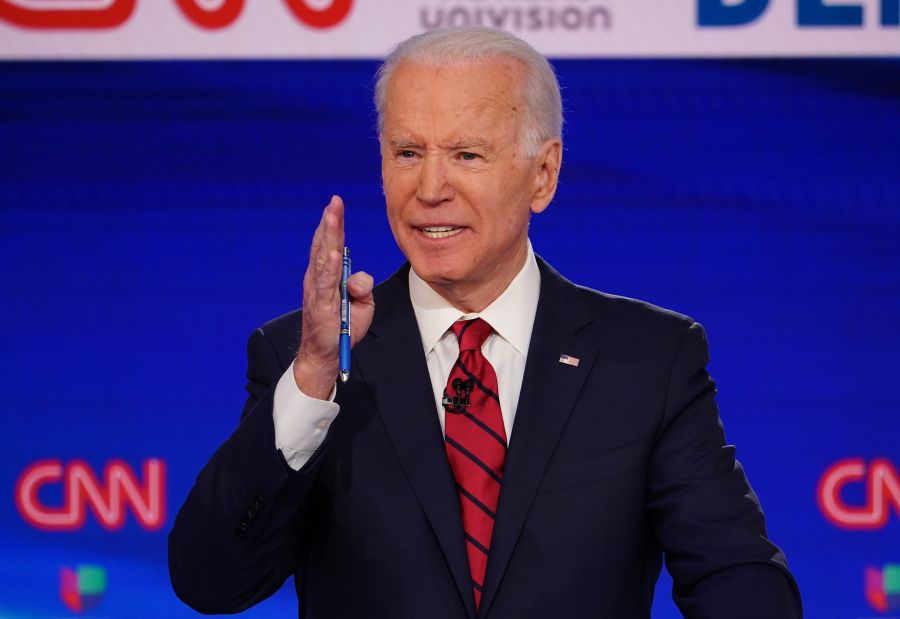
(703, 510)
(238, 535)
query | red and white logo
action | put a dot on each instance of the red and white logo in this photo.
(71, 14)
(107, 14)
(81, 490)
(211, 14)
(882, 493)
(320, 13)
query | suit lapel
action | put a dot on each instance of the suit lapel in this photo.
(391, 364)
(549, 392)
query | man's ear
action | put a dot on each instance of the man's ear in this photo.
(546, 177)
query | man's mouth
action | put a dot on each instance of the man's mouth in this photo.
(440, 232)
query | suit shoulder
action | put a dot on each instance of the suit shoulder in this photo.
(633, 310)
(634, 330)
(611, 312)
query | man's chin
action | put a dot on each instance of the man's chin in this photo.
(439, 278)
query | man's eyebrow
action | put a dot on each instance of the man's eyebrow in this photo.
(403, 142)
(400, 142)
(466, 143)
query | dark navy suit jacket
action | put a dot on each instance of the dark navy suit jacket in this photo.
(611, 464)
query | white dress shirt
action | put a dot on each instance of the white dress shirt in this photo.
(301, 422)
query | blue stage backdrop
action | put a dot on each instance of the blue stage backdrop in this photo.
(153, 213)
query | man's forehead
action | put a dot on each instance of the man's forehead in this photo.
(476, 83)
(463, 101)
(463, 132)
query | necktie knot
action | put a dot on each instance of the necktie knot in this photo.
(471, 334)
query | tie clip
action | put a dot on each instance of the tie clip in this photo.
(568, 360)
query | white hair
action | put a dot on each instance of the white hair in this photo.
(540, 89)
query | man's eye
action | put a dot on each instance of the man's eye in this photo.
(468, 156)
(406, 154)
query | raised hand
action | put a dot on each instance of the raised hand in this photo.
(316, 365)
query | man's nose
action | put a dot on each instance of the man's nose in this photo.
(434, 186)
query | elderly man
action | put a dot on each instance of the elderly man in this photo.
(509, 445)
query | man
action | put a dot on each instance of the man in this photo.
(509, 444)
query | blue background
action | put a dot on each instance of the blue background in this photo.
(153, 213)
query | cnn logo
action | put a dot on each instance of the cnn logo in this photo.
(880, 483)
(82, 490)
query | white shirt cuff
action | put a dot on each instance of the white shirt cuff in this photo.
(301, 422)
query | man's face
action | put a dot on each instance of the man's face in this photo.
(458, 187)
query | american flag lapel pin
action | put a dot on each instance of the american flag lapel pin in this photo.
(569, 360)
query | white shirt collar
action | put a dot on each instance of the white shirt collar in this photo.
(511, 314)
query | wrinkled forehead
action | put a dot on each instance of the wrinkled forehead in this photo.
(460, 97)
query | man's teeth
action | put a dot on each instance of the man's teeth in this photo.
(440, 232)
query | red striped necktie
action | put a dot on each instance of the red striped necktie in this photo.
(475, 441)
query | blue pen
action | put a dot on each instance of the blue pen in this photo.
(345, 319)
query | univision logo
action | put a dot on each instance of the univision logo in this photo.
(883, 587)
(82, 588)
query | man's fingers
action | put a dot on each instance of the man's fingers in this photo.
(336, 206)
(359, 285)
(333, 222)
(325, 241)
(362, 309)
(330, 231)
(317, 237)
(328, 275)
